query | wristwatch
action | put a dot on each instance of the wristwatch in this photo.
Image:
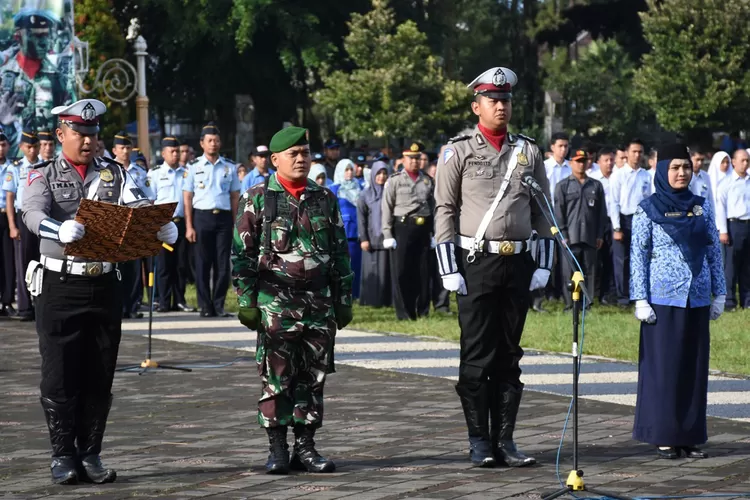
(617, 230)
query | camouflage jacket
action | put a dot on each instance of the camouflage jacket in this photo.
(302, 244)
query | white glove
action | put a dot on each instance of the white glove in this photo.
(168, 233)
(539, 279)
(433, 243)
(71, 231)
(454, 282)
(389, 243)
(644, 312)
(717, 306)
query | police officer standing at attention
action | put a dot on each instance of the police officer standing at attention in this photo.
(78, 303)
(211, 191)
(26, 244)
(485, 209)
(408, 206)
(132, 284)
(46, 145)
(7, 264)
(166, 182)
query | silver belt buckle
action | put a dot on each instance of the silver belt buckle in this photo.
(93, 269)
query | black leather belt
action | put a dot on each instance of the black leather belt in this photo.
(741, 221)
(176, 220)
(416, 220)
(312, 285)
(214, 211)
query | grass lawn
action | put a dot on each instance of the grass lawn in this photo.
(609, 331)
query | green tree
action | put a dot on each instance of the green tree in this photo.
(96, 25)
(696, 73)
(598, 91)
(397, 89)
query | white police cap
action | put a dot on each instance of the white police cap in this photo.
(495, 82)
(82, 116)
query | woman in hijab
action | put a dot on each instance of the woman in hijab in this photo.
(675, 267)
(318, 175)
(347, 189)
(719, 169)
(376, 267)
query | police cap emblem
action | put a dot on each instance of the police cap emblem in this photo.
(88, 112)
(499, 79)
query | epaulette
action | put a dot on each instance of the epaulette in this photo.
(193, 162)
(16, 161)
(228, 160)
(43, 164)
(533, 141)
(394, 174)
(458, 138)
(156, 167)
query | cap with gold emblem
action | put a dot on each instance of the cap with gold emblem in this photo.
(45, 135)
(81, 116)
(209, 128)
(495, 83)
(28, 136)
(415, 149)
(579, 155)
(122, 139)
(170, 142)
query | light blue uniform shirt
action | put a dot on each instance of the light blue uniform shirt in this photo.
(627, 188)
(659, 272)
(211, 184)
(166, 185)
(4, 173)
(733, 200)
(700, 185)
(254, 177)
(15, 179)
(140, 177)
(556, 173)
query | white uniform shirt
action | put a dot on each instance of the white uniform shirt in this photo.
(556, 173)
(700, 185)
(628, 187)
(733, 200)
(606, 185)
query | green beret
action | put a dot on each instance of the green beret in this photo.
(288, 137)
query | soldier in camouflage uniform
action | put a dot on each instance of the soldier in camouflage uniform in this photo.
(293, 277)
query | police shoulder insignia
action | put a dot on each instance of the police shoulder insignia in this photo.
(148, 183)
(527, 138)
(106, 175)
(9, 177)
(17, 162)
(522, 159)
(448, 153)
(185, 174)
(458, 138)
(33, 175)
(227, 160)
(193, 162)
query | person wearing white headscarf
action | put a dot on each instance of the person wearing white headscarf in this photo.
(718, 170)
(319, 176)
(347, 189)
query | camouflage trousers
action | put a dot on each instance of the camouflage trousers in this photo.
(294, 347)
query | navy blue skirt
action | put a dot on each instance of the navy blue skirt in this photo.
(673, 378)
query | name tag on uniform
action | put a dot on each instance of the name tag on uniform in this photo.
(592, 202)
(61, 185)
(674, 214)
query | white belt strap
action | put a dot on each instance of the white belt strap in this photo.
(476, 244)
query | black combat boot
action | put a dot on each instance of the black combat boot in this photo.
(61, 421)
(92, 419)
(304, 455)
(505, 402)
(278, 459)
(477, 413)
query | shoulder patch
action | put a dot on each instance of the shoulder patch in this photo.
(9, 177)
(33, 175)
(458, 138)
(185, 174)
(533, 141)
(448, 153)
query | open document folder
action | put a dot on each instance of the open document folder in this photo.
(115, 233)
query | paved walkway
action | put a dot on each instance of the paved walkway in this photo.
(393, 435)
(601, 380)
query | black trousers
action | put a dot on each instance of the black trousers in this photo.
(605, 278)
(621, 260)
(132, 285)
(737, 264)
(492, 316)
(586, 257)
(171, 275)
(213, 247)
(79, 326)
(410, 268)
(7, 267)
(26, 250)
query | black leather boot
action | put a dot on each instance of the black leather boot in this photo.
(505, 403)
(61, 421)
(304, 455)
(278, 459)
(92, 419)
(476, 403)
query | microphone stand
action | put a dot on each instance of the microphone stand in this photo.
(577, 287)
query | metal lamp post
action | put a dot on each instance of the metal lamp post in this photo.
(141, 102)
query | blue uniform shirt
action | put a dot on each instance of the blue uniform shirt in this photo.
(139, 175)
(211, 184)
(4, 168)
(700, 185)
(15, 179)
(254, 177)
(166, 183)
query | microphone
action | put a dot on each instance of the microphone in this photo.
(532, 184)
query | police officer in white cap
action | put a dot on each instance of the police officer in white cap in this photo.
(489, 251)
(78, 302)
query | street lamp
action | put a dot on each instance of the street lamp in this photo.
(141, 102)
